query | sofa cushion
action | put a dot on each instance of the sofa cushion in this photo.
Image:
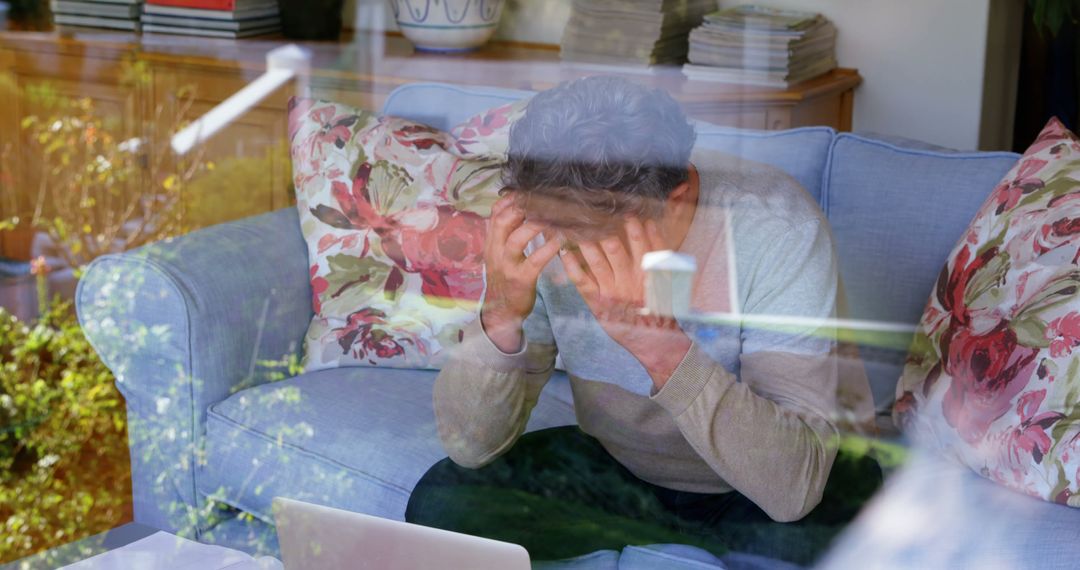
(393, 212)
(992, 374)
(801, 153)
(355, 438)
(896, 213)
(443, 106)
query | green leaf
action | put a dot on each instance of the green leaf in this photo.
(1030, 332)
(353, 282)
(985, 280)
(332, 217)
(1058, 185)
(1062, 289)
(391, 185)
(474, 186)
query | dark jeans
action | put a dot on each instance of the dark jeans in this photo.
(559, 494)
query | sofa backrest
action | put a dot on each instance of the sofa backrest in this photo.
(800, 152)
(896, 212)
(896, 207)
(444, 106)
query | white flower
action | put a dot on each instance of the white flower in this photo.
(49, 460)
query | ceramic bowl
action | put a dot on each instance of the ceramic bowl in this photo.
(447, 25)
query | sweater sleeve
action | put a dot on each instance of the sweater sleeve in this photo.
(770, 432)
(483, 397)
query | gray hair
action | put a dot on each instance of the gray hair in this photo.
(605, 143)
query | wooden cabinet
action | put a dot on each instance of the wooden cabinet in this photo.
(141, 82)
(250, 162)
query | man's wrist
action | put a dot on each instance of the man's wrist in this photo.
(504, 332)
(661, 363)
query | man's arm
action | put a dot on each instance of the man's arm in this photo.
(772, 435)
(771, 447)
(485, 393)
(484, 396)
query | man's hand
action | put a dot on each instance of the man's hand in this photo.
(511, 276)
(612, 283)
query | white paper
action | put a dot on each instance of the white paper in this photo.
(162, 550)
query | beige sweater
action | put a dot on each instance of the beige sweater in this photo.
(748, 408)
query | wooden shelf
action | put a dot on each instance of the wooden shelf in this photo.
(137, 78)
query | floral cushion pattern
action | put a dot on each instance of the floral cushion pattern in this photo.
(993, 375)
(394, 214)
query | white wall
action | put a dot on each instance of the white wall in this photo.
(923, 61)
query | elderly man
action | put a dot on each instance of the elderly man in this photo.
(714, 436)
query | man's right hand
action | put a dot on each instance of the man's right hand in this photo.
(511, 276)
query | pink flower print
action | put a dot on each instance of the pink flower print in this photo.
(485, 125)
(297, 109)
(987, 372)
(1063, 334)
(419, 137)
(952, 286)
(1008, 194)
(1056, 234)
(335, 129)
(366, 335)
(1030, 440)
(319, 286)
(1054, 133)
(356, 211)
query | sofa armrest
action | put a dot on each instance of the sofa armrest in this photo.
(182, 324)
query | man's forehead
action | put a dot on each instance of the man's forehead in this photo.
(575, 220)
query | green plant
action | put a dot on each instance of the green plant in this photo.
(213, 196)
(1050, 15)
(99, 192)
(63, 454)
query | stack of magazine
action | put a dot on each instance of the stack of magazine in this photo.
(759, 46)
(631, 32)
(212, 18)
(109, 14)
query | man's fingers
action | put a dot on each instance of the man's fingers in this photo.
(656, 240)
(519, 238)
(622, 268)
(499, 206)
(598, 266)
(504, 222)
(538, 259)
(635, 236)
(582, 280)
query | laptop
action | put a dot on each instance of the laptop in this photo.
(314, 536)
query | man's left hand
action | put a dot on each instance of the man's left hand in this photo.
(609, 278)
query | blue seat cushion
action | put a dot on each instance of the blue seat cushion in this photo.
(896, 213)
(355, 438)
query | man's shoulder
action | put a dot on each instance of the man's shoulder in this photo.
(754, 192)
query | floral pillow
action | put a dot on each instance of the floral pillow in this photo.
(993, 375)
(394, 215)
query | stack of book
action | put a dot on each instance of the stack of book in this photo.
(759, 46)
(212, 18)
(111, 14)
(631, 32)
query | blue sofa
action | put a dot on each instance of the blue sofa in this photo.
(203, 334)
